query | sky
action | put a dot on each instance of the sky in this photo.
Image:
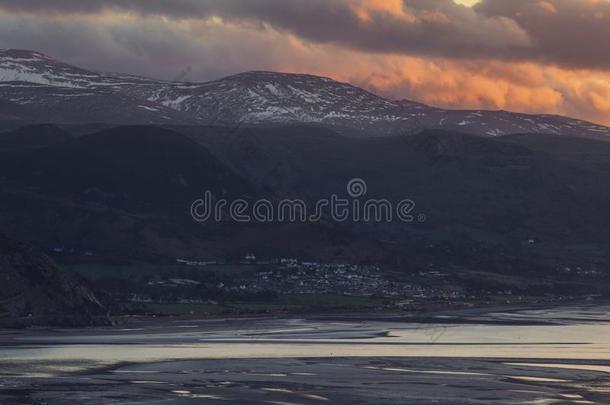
(536, 56)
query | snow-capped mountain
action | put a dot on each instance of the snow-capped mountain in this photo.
(37, 88)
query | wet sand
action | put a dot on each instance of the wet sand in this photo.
(316, 381)
(313, 361)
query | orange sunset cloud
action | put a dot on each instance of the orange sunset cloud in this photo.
(535, 56)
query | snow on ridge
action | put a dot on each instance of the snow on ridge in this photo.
(148, 108)
(11, 75)
(265, 97)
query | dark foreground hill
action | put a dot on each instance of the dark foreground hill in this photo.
(506, 190)
(518, 203)
(34, 292)
(137, 169)
(522, 204)
(124, 191)
(35, 136)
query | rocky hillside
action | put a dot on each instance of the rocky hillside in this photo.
(34, 292)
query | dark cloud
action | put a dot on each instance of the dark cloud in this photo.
(572, 33)
(438, 27)
(563, 32)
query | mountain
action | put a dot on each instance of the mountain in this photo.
(34, 292)
(33, 136)
(37, 88)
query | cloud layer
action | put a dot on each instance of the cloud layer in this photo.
(549, 56)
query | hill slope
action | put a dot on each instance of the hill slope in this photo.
(33, 291)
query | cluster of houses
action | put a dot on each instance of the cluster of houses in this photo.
(287, 276)
(295, 277)
(579, 271)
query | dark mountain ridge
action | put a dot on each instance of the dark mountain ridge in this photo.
(138, 169)
(126, 192)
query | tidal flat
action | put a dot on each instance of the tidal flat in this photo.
(516, 356)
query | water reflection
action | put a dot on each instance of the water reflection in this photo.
(585, 337)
